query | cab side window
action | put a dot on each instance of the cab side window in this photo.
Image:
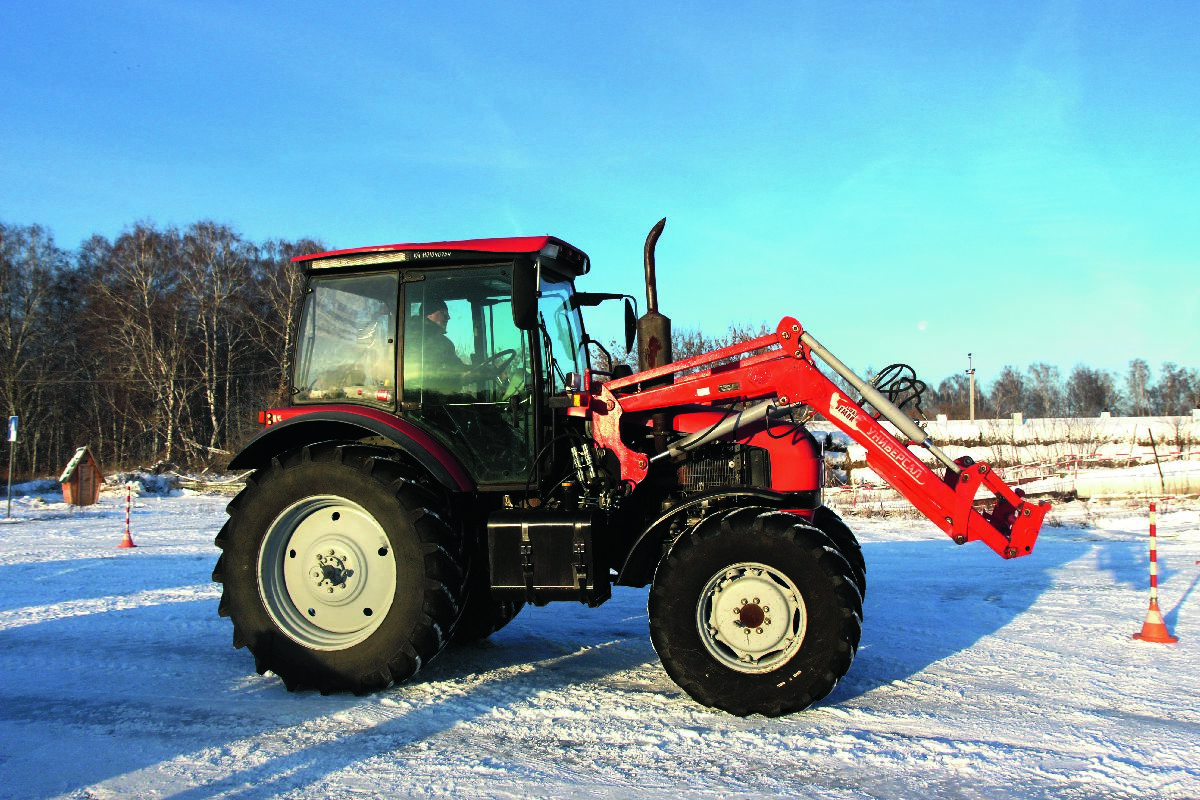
(348, 340)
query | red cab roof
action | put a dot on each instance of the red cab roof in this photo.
(562, 256)
(505, 244)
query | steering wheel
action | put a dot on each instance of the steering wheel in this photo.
(493, 365)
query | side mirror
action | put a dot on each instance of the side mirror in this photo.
(524, 293)
(596, 298)
(630, 326)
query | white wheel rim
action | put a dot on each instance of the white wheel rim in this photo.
(751, 618)
(327, 573)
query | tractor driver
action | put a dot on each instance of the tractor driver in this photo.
(430, 360)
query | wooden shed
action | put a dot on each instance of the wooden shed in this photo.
(82, 479)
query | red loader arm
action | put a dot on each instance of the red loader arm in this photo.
(785, 375)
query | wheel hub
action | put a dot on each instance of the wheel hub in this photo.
(331, 571)
(327, 574)
(751, 617)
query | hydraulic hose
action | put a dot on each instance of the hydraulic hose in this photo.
(886, 407)
(747, 416)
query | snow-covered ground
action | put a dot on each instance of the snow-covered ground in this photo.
(976, 678)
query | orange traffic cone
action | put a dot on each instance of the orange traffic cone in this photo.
(1154, 629)
(128, 540)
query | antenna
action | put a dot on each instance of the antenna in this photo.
(971, 374)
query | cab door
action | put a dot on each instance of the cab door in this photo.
(466, 369)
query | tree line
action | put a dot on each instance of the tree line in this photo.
(161, 344)
(1041, 390)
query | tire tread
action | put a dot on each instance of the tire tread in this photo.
(421, 503)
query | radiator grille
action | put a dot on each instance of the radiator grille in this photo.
(725, 464)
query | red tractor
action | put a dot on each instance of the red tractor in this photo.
(449, 454)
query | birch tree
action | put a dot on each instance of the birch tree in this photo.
(146, 330)
(29, 264)
(215, 281)
(279, 287)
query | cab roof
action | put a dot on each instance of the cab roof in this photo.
(563, 254)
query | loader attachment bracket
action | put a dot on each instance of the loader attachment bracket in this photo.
(1010, 527)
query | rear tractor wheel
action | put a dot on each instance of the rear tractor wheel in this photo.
(340, 570)
(755, 612)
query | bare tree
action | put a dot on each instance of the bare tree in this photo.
(1175, 392)
(29, 265)
(1045, 393)
(278, 288)
(953, 398)
(1137, 388)
(1008, 395)
(215, 277)
(689, 342)
(1090, 391)
(146, 329)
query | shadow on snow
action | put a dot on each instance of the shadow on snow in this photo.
(924, 605)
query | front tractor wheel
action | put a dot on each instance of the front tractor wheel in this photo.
(754, 612)
(340, 569)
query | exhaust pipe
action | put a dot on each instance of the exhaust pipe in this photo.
(653, 329)
(654, 337)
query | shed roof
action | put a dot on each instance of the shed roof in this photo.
(81, 455)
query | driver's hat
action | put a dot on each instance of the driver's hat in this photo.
(432, 306)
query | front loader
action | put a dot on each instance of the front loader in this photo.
(449, 454)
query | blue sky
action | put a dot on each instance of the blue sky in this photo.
(913, 181)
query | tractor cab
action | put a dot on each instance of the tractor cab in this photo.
(468, 340)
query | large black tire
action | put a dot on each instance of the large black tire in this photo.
(340, 568)
(832, 526)
(755, 612)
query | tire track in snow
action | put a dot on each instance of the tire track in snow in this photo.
(34, 615)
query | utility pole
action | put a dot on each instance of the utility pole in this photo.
(971, 375)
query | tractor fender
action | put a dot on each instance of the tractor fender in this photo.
(329, 424)
(656, 541)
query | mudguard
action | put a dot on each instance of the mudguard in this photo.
(650, 547)
(294, 427)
